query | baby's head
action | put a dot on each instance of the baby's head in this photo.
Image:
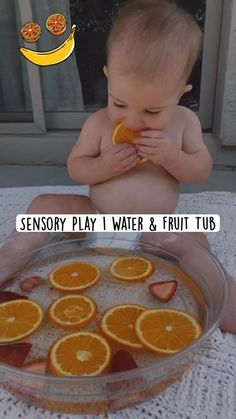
(151, 50)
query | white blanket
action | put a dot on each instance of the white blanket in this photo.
(208, 390)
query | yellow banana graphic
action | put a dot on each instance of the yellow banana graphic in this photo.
(53, 56)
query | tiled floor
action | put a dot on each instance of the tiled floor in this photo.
(221, 179)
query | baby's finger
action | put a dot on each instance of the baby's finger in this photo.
(151, 142)
(150, 157)
(124, 154)
(130, 162)
(144, 149)
(152, 133)
(120, 147)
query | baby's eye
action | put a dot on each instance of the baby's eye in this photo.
(152, 112)
(119, 105)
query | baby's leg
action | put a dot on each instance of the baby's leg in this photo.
(173, 243)
(20, 244)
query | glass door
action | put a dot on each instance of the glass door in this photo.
(93, 20)
(35, 99)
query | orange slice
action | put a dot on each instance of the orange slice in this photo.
(118, 324)
(167, 331)
(18, 319)
(56, 24)
(72, 311)
(31, 31)
(123, 135)
(74, 276)
(131, 268)
(80, 354)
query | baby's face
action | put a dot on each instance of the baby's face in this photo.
(141, 104)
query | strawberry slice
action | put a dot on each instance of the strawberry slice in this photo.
(38, 366)
(122, 361)
(14, 354)
(8, 296)
(31, 282)
(132, 389)
(163, 290)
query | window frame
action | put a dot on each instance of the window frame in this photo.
(43, 121)
(38, 125)
(211, 48)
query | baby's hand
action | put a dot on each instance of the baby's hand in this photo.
(119, 158)
(157, 147)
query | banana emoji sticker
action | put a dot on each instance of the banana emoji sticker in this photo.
(51, 57)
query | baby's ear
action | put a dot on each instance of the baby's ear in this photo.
(105, 70)
(186, 89)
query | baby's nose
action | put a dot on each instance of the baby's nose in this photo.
(134, 122)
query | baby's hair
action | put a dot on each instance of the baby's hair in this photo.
(153, 35)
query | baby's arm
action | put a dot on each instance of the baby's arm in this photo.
(89, 165)
(194, 163)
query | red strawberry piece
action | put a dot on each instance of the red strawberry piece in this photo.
(14, 354)
(36, 280)
(8, 296)
(122, 361)
(132, 389)
(31, 282)
(38, 366)
(163, 290)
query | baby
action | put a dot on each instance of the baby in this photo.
(151, 51)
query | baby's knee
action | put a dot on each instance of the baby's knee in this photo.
(158, 238)
(42, 204)
(160, 243)
(198, 237)
(179, 244)
(26, 241)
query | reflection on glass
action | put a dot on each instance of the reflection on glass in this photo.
(60, 82)
(93, 19)
(14, 88)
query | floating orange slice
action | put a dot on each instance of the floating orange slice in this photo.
(123, 135)
(167, 331)
(74, 276)
(18, 319)
(72, 311)
(131, 268)
(79, 354)
(118, 324)
(31, 31)
(56, 24)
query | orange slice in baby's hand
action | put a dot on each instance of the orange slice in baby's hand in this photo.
(72, 311)
(118, 324)
(123, 135)
(18, 319)
(74, 276)
(131, 268)
(31, 32)
(56, 24)
(79, 354)
(167, 331)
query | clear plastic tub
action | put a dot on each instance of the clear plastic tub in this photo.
(202, 292)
